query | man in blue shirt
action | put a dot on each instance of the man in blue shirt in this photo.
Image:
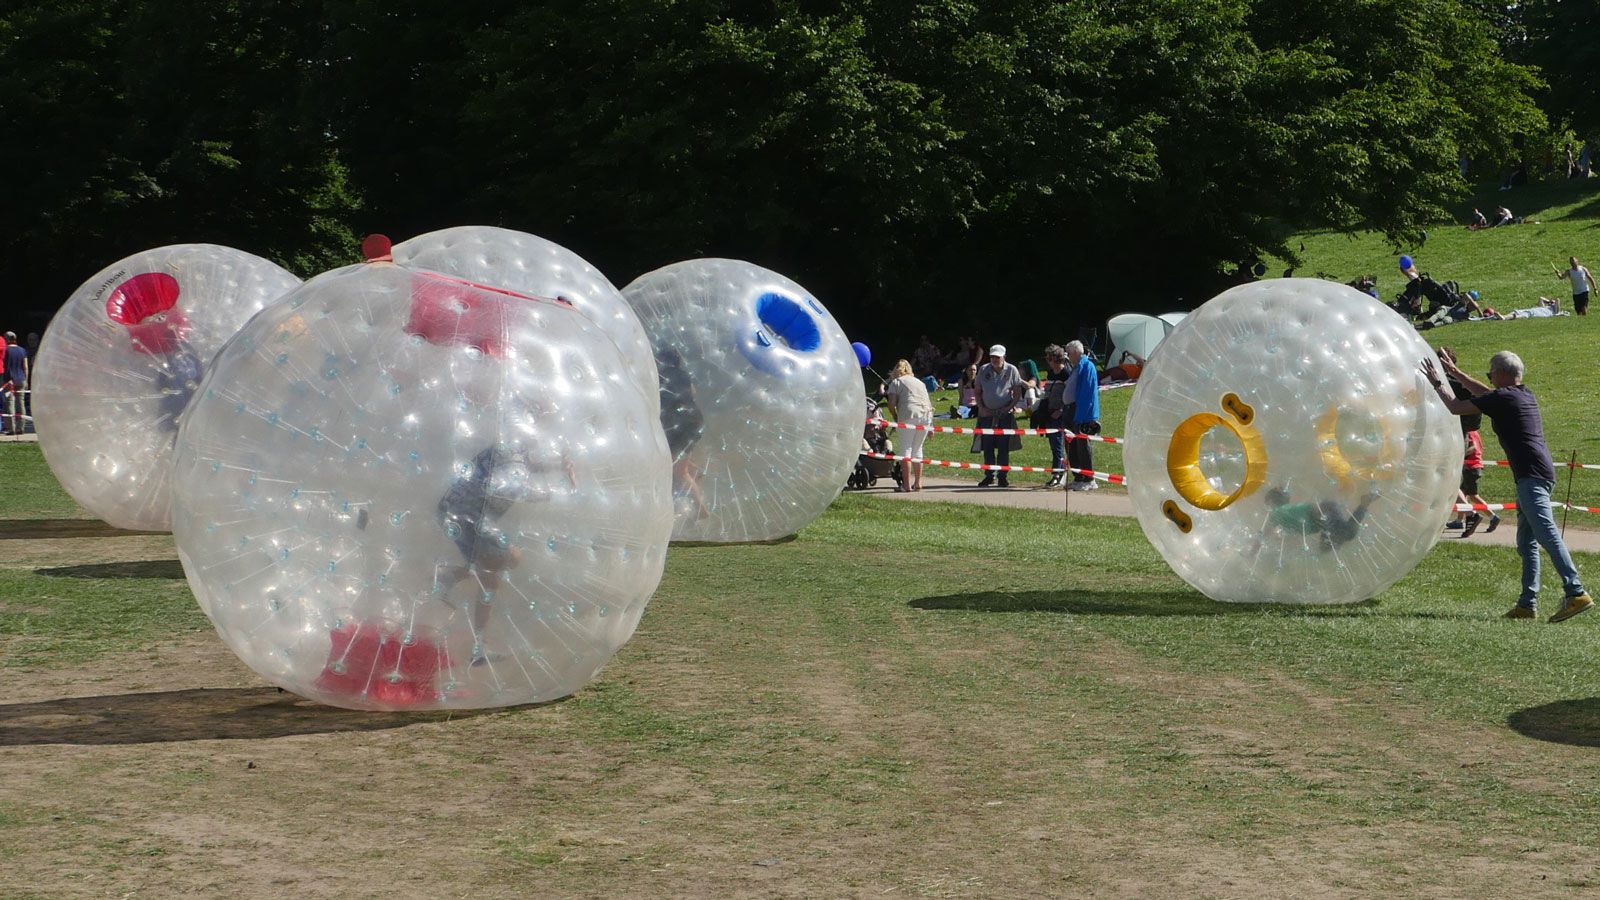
(15, 382)
(1083, 393)
(1514, 413)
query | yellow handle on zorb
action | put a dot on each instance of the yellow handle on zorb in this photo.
(1183, 456)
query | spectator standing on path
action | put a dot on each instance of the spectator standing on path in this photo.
(999, 387)
(1055, 405)
(16, 381)
(908, 400)
(1514, 413)
(1083, 389)
(1582, 284)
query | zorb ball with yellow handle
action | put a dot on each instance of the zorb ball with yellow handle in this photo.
(1283, 446)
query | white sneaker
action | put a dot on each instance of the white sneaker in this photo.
(1091, 485)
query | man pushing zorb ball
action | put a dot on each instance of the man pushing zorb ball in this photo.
(761, 397)
(1283, 447)
(398, 489)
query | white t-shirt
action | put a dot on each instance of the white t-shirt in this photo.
(910, 398)
(1580, 280)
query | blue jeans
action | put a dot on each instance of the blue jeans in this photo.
(1058, 443)
(1536, 525)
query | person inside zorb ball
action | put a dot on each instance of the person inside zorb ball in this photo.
(1283, 447)
(398, 489)
(121, 360)
(761, 397)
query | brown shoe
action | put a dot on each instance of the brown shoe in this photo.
(1521, 612)
(1578, 603)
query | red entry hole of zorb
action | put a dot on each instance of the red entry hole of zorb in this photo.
(147, 306)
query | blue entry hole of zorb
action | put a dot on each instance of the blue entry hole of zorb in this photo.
(789, 321)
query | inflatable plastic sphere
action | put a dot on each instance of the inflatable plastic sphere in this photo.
(539, 268)
(761, 397)
(400, 490)
(1283, 446)
(120, 361)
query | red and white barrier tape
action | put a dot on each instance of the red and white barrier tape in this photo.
(1559, 465)
(1111, 477)
(1114, 478)
(1074, 435)
(956, 429)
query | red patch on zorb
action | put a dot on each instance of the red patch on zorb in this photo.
(147, 305)
(446, 311)
(380, 664)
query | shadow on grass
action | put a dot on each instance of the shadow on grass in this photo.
(1149, 603)
(204, 714)
(1575, 722)
(148, 568)
(22, 529)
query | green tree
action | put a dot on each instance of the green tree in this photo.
(135, 125)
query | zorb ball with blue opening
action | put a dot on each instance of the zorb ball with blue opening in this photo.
(120, 361)
(531, 265)
(399, 490)
(1284, 447)
(761, 397)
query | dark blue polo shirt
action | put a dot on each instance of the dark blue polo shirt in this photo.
(1515, 416)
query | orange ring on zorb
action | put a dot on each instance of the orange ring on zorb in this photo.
(1183, 455)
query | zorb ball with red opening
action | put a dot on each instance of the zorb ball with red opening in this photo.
(120, 361)
(403, 490)
(1283, 446)
(761, 397)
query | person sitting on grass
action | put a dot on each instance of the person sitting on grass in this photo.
(967, 395)
(1465, 308)
(1514, 413)
(1546, 308)
(1478, 220)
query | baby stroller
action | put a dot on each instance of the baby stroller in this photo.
(874, 438)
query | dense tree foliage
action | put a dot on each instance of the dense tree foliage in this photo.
(979, 161)
(1562, 38)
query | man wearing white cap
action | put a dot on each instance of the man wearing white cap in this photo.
(999, 387)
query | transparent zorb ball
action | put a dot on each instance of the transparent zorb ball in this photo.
(402, 490)
(761, 397)
(1284, 447)
(120, 361)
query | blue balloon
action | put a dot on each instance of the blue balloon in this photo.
(863, 353)
(1405, 263)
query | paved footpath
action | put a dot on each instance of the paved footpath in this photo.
(1030, 495)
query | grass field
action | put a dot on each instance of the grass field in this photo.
(907, 700)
